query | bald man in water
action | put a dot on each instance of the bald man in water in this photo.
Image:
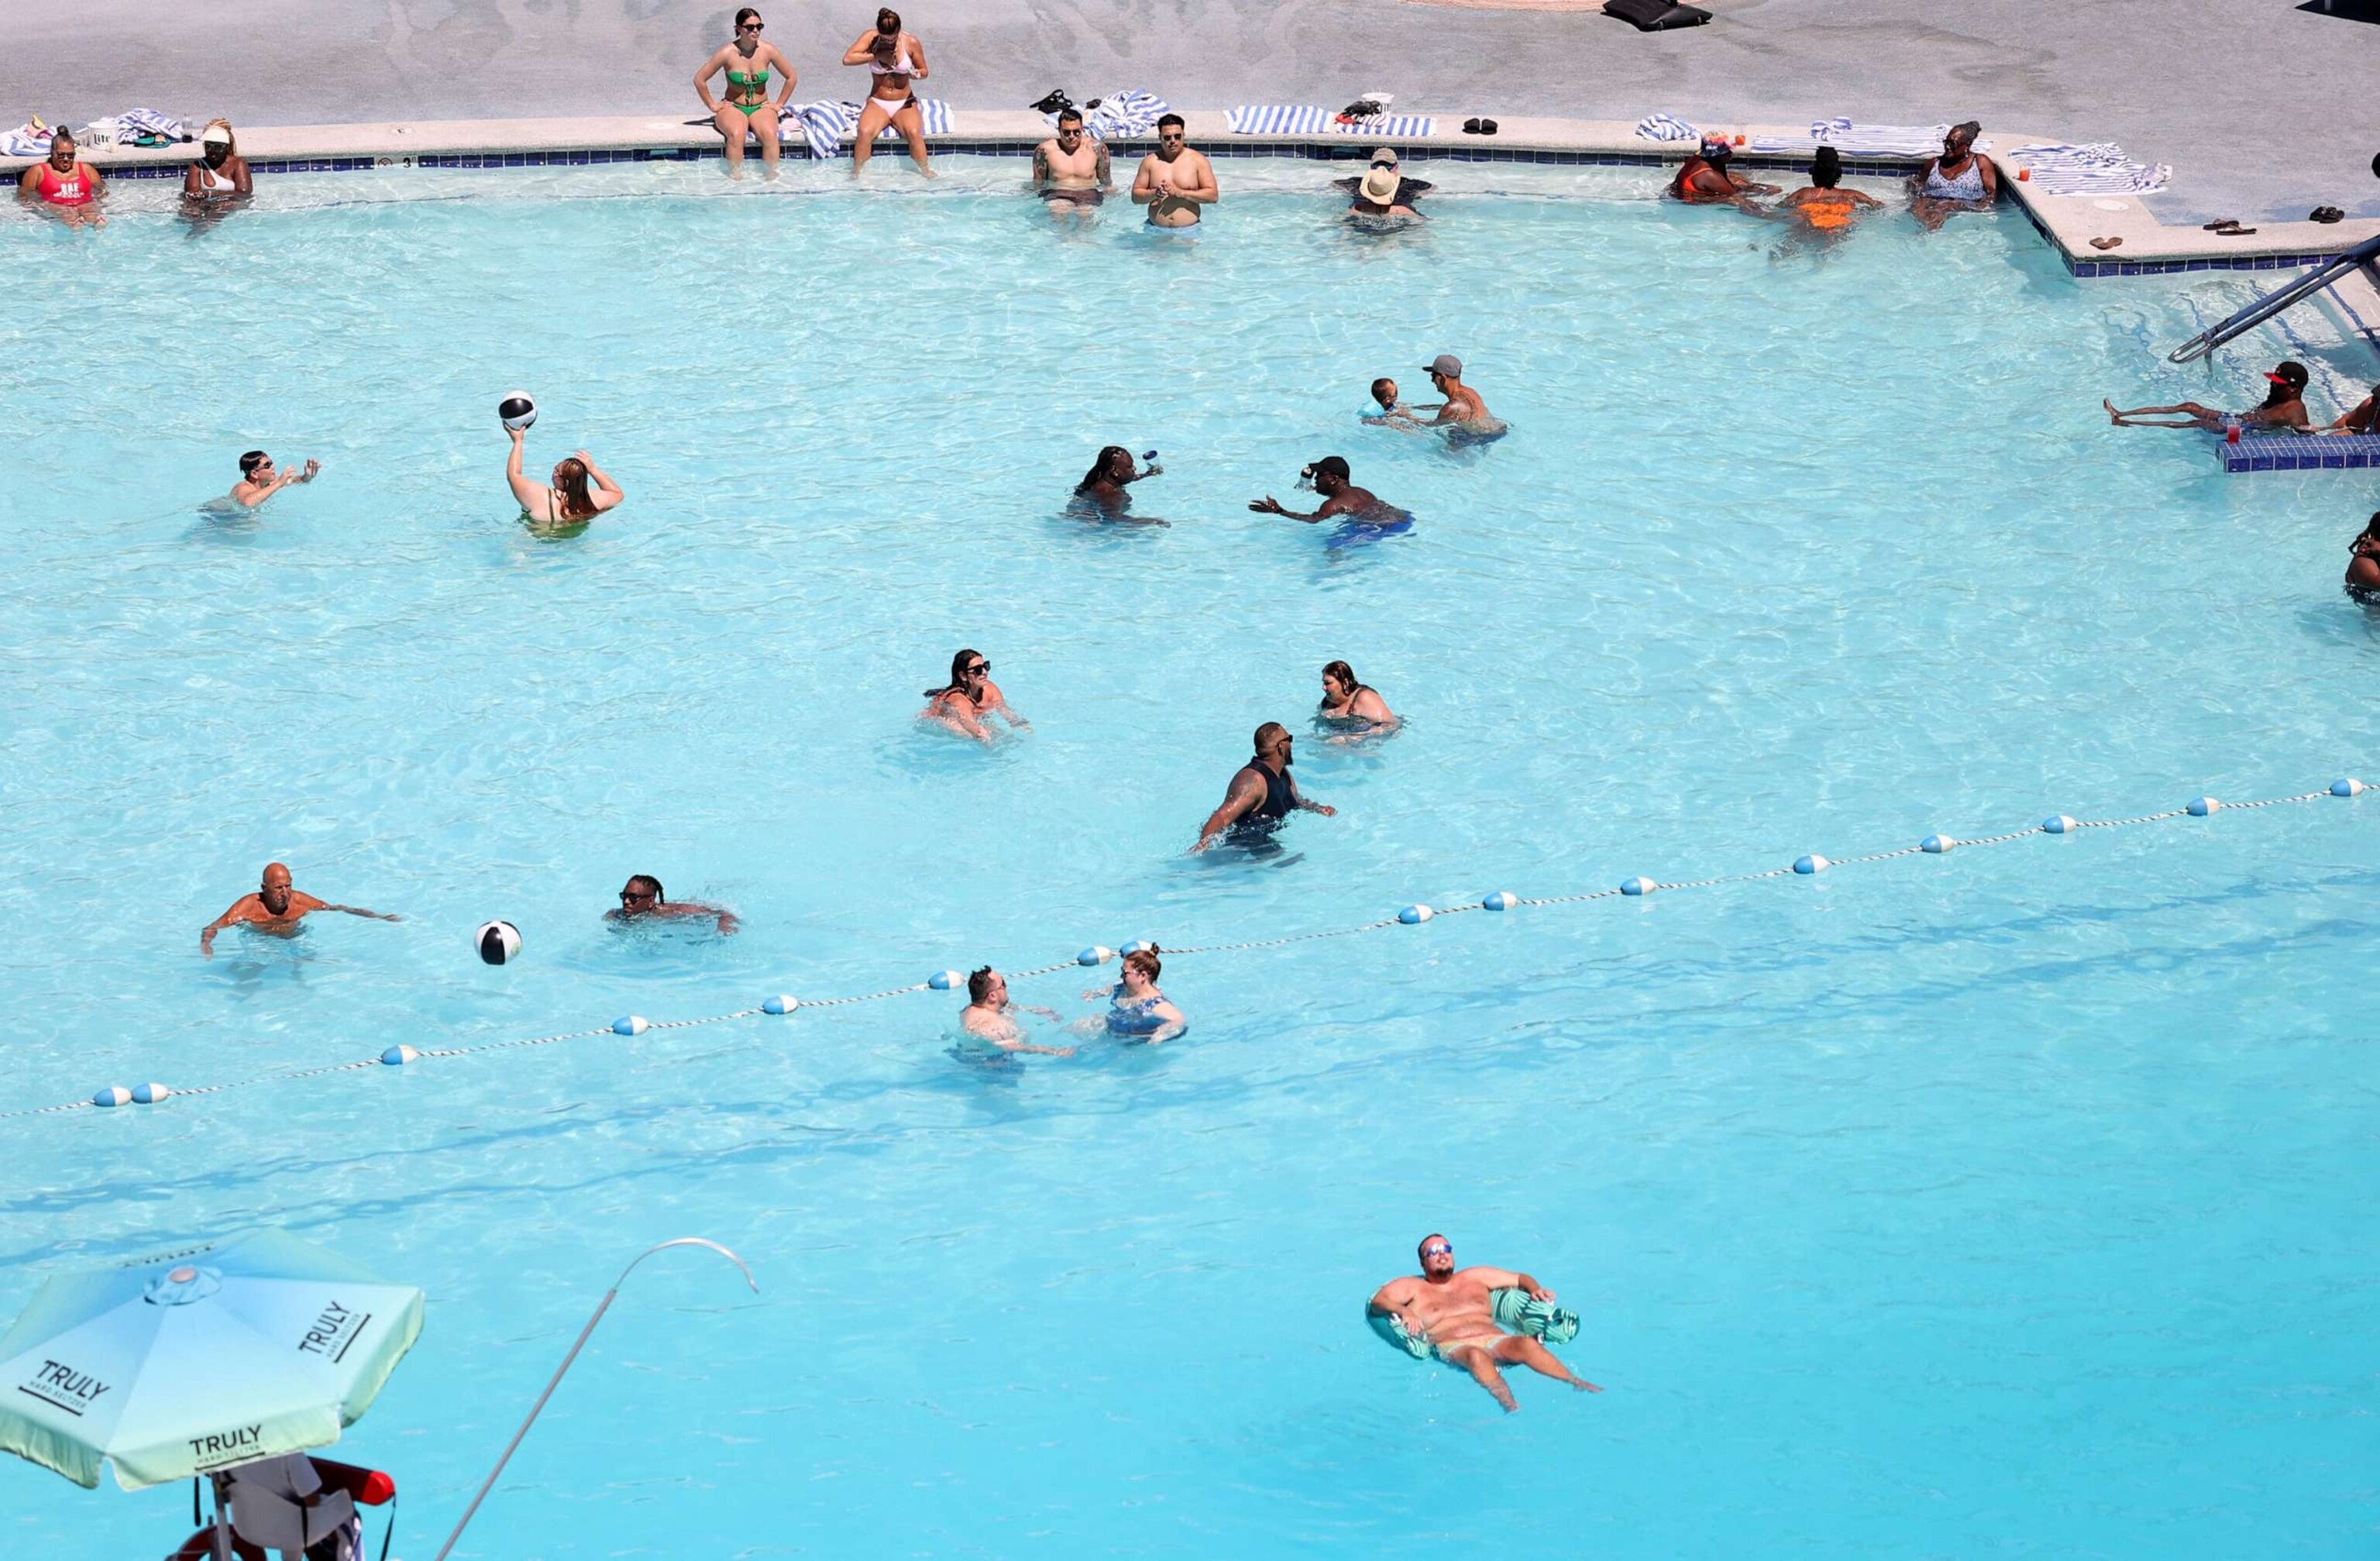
(276, 907)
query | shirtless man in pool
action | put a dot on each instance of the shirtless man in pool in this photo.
(1454, 1310)
(276, 908)
(1174, 181)
(1070, 170)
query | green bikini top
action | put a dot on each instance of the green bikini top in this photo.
(737, 79)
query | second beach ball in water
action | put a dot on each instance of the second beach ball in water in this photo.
(518, 411)
(498, 942)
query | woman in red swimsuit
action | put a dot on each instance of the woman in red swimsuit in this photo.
(65, 184)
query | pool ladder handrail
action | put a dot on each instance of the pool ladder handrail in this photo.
(2274, 302)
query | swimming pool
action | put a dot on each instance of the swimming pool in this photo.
(1994, 1200)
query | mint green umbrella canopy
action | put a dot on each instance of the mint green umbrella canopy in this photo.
(213, 1356)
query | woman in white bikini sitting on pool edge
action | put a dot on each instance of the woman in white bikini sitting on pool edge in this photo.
(894, 59)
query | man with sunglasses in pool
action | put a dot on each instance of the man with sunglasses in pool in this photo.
(1072, 178)
(641, 899)
(1364, 517)
(1454, 1311)
(1261, 794)
(1174, 181)
(260, 479)
(276, 908)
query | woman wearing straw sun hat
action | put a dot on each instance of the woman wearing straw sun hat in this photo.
(1383, 191)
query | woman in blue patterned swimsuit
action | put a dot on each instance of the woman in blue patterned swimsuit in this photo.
(1136, 1010)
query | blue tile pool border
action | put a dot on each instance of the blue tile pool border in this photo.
(1355, 150)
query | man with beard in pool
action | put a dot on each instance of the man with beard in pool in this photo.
(276, 908)
(1454, 1311)
(1261, 794)
(641, 900)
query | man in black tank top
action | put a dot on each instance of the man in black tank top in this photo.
(1262, 793)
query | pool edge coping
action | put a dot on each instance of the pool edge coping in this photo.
(2069, 222)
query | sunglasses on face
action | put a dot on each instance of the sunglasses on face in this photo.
(979, 668)
(630, 896)
(1437, 1249)
(752, 27)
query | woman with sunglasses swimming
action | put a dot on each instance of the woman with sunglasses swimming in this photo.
(968, 701)
(1102, 488)
(66, 185)
(746, 108)
(220, 173)
(895, 59)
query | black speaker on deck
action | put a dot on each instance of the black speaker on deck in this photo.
(1654, 16)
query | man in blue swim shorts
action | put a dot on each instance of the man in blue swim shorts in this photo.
(1359, 508)
(1454, 1311)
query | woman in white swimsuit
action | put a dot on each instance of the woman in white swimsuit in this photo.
(1962, 180)
(894, 59)
(222, 173)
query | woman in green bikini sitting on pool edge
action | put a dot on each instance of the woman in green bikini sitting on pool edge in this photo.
(747, 63)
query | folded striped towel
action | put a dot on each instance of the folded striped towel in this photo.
(1277, 120)
(2100, 168)
(1120, 115)
(123, 130)
(1666, 127)
(1390, 127)
(1870, 140)
(826, 126)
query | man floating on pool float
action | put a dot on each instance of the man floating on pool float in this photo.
(1459, 1316)
(276, 908)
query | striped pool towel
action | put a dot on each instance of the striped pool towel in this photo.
(1120, 116)
(826, 126)
(1390, 127)
(1865, 140)
(124, 128)
(1277, 120)
(2101, 168)
(1666, 127)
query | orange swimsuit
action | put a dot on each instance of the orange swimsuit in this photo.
(1834, 214)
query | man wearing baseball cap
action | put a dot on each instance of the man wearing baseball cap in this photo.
(2283, 408)
(1363, 516)
(1462, 414)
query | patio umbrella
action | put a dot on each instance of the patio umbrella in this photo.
(173, 1367)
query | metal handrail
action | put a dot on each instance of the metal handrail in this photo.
(602, 1307)
(2274, 302)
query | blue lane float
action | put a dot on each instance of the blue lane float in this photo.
(114, 1096)
(1138, 946)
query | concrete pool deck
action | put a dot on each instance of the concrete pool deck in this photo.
(2261, 107)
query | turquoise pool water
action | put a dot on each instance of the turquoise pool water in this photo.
(2000, 1203)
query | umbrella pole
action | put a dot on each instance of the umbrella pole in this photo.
(555, 1381)
(222, 1529)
